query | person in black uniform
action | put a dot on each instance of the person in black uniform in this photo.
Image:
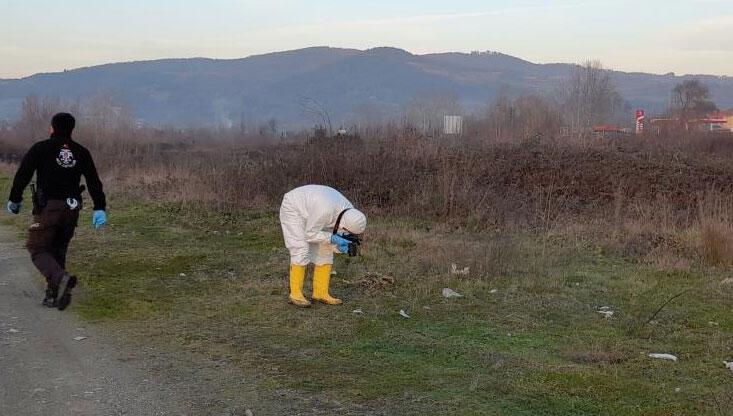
(58, 163)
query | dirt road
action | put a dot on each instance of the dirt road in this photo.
(44, 370)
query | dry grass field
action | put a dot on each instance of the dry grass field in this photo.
(551, 233)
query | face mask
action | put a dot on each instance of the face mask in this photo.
(354, 239)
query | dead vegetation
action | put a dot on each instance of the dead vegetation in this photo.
(375, 282)
(598, 355)
(535, 234)
(659, 200)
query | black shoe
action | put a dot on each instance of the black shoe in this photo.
(52, 292)
(68, 282)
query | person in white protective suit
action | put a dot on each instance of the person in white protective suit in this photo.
(309, 216)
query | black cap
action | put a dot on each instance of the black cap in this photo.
(63, 124)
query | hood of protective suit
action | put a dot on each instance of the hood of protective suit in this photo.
(354, 221)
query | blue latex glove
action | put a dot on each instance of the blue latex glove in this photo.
(341, 243)
(14, 207)
(99, 219)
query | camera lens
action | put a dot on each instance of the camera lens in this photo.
(353, 249)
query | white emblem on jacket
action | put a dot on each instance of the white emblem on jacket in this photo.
(66, 158)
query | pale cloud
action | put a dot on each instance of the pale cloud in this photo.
(706, 35)
(418, 33)
(650, 35)
(433, 18)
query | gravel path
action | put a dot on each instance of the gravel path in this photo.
(46, 367)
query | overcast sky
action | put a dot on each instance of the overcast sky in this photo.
(683, 36)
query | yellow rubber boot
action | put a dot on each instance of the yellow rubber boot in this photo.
(321, 280)
(297, 277)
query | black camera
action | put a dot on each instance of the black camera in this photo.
(354, 243)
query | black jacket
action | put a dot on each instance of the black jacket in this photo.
(59, 163)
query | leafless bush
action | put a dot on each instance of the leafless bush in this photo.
(655, 198)
(589, 96)
(479, 187)
(525, 118)
(715, 229)
(716, 244)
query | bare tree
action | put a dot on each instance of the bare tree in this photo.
(368, 118)
(589, 96)
(501, 118)
(36, 113)
(317, 111)
(522, 118)
(269, 128)
(104, 113)
(690, 100)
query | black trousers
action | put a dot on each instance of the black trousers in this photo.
(49, 236)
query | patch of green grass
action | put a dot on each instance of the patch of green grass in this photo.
(526, 338)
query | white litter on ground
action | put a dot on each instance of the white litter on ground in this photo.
(605, 311)
(80, 338)
(450, 293)
(13, 331)
(728, 365)
(404, 314)
(494, 291)
(358, 311)
(667, 357)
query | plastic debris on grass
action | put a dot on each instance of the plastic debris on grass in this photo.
(666, 357)
(404, 314)
(606, 311)
(729, 365)
(450, 293)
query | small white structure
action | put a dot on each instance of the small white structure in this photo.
(453, 125)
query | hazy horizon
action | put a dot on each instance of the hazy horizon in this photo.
(685, 37)
(337, 47)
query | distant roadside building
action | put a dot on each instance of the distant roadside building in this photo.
(721, 121)
(725, 118)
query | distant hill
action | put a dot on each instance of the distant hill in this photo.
(210, 91)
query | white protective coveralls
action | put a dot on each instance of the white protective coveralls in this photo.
(308, 215)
